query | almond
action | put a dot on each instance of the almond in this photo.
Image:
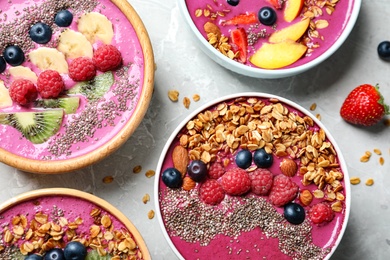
(288, 167)
(209, 27)
(305, 197)
(188, 183)
(180, 159)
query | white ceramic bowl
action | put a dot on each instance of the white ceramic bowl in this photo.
(343, 28)
(188, 209)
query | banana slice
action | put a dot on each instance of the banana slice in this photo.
(74, 44)
(5, 99)
(49, 58)
(96, 26)
(21, 72)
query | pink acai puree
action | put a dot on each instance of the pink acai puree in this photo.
(111, 113)
(219, 11)
(249, 226)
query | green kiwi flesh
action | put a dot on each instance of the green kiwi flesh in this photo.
(69, 104)
(95, 88)
(94, 255)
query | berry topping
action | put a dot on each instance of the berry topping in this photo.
(3, 64)
(63, 18)
(283, 190)
(23, 91)
(75, 250)
(240, 41)
(197, 170)
(267, 15)
(236, 182)
(242, 19)
(276, 3)
(233, 2)
(40, 33)
(320, 213)
(262, 159)
(54, 254)
(384, 50)
(50, 84)
(107, 57)
(172, 178)
(294, 213)
(216, 170)
(33, 257)
(211, 192)
(261, 181)
(244, 159)
(82, 69)
(13, 55)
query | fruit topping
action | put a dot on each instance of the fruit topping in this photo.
(384, 50)
(294, 213)
(244, 159)
(107, 57)
(23, 91)
(75, 250)
(262, 159)
(40, 33)
(69, 104)
(13, 55)
(292, 32)
(21, 72)
(292, 9)
(364, 106)
(49, 59)
(211, 192)
(197, 170)
(242, 19)
(321, 212)
(94, 89)
(236, 182)
(50, 84)
(233, 2)
(82, 69)
(283, 190)
(3, 64)
(216, 170)
(55, 254)
(172, 178)
(74, 44)
(5, 98)
(240, 41)
(276, 3)
(261, 181)
(288, 167)
(96, 27)
(267, 15)
(94, 255)
(63, 18)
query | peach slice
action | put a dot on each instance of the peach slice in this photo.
(277, 55)
(292, 32)
(292, 9)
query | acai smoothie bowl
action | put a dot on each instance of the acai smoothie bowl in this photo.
(76, 78)
(61, 223)
(252, 176)
(270, 38)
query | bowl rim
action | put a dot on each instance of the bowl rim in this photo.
(34, 194)
(67, 165)
(266, 73)
(343, 165)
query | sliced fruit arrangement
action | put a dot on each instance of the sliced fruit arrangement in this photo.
(69, 104)
(96, 88)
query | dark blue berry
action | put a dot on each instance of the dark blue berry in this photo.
(267, 15)
(262, 159)
(384, 50)
(294, 213)
(244, 159)
(33, 257)
(54, 254)
(3, 64)
(197, 170)
(13, 55)
(75, 251)
(172, 178)
(40, 33)
(233, 2)
(63, 18)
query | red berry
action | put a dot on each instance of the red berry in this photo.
(216, 170)
(276, 3)
(23, 91)
(50, 84)
(283, 190)
(236, 182)
(107, 57)
(81, 69)
(364, 106)
(320, 213)
(246, 18)
(211, 192)
(240, 42)
(261, 181)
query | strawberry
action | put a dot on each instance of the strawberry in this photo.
(240, 40)
(242, 19)
(276, 3)
(364, 106)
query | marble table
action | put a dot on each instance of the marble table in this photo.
(182, 66)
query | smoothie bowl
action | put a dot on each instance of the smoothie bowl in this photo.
(270, 38)
(58, 221)
(252, 176)
(76, 78)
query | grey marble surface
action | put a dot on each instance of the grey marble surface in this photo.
(182, 66)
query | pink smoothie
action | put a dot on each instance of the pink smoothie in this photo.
(112, 112)
(249, 226)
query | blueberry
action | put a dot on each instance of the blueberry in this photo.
(262, 159)
(40, 33)
(197, 170)
(54, 254)
(233, 2)
(13, 55)
(75, 251)
(172, 178)
(63, 18)
(384, 50)
(244, 159)
(3, 64)
(267, 15)
(33, 257)
(294, 213)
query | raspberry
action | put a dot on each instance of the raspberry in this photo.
(320, 213)
(283, 190)
(236, 182)
(107, 57)
(211, 192)
(23, 91)
(261, 181)
(216, 170)
(50, 84)
(81, 69)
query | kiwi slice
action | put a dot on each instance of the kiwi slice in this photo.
(37, 126)
(69, 104)
(94, 255)
(95, 88)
